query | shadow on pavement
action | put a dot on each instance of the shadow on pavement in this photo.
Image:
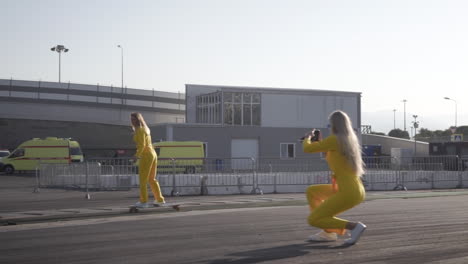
(275, 253)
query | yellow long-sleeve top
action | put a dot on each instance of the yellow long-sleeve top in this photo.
(339, 165)
(143, 142)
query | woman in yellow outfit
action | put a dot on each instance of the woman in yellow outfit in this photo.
(346, 191)
(147, 161)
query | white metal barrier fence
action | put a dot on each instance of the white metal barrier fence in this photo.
(247, 175)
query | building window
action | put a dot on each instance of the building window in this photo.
(241, 109)
(256, 114)
(237, 114)
(208, 109)
(228, 113)
(247, 117)
(287, 150)
(229, 108)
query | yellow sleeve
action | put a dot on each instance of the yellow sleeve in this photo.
(140, 141)
(327, 144)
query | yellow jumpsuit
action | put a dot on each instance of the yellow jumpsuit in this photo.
(147, 165)
(328, 200)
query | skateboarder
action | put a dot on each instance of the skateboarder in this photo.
(328, 200)
(147, 162)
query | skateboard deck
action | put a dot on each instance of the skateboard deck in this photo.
(135, 209)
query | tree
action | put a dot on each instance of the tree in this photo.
(462, 130)
(442, 133)
(425, 133)
(398, 133)
(428, 135)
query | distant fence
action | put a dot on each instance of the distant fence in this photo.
(249, 176)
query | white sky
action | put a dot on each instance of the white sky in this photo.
(389, 50)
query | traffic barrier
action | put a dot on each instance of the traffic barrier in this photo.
(246, 175)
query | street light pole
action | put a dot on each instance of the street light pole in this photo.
(415, 125)
(121, 55)
(59, 49)
(60, 64)
(404, 114)
(447, 98)
(394, 119)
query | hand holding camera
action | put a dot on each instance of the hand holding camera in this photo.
(315, 135)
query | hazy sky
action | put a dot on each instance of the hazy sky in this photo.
(388, 50)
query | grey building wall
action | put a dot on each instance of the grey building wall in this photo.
(96, 140)
(78, 113)
(286, 115)
(287, 107)
(87, 103)
(306, 110)
(219, 137)
(97, 116)
(387, 143)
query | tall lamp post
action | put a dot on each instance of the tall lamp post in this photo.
(394, 119)
(59, 49)
(415, 125)
(447, 98)
(121, 56)
(404, 114)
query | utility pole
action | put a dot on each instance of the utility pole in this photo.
(404, 114)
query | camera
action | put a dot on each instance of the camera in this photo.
(315, 137)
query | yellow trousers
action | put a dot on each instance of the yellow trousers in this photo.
(147, 172)
(326, 201)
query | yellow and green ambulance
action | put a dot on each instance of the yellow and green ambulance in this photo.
(28, 155)
(179, 156)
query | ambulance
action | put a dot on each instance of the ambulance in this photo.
(28, 155)
(4, 153)
(180, 156)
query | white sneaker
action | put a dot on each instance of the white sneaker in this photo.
(143, 205)
(356, 234)
(323, 236)
(162, 204)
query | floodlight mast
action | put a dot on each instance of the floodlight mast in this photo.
(59, 49)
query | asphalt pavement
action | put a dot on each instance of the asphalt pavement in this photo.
(23, 203)
(426, 230)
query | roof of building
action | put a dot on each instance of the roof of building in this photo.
(274, 90)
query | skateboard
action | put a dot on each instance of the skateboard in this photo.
(135, 209)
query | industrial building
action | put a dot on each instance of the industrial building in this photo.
(257, 122)
(96, 116)
(232, 121)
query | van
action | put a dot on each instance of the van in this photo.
(28, 155)
(4, 153)
(75, 152)
(188, 156)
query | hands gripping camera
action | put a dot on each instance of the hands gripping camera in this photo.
(315, 135)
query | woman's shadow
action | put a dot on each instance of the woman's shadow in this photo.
(275, 253)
